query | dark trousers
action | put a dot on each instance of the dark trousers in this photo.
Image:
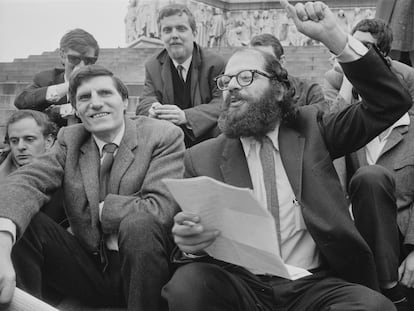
(372, 194)
(207, 287)
(48, 256)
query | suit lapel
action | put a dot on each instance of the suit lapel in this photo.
(89, 167)
(195, 86)
(124, 156)
(234, 165)
(395, 137)
(166, 76)
(291, 147)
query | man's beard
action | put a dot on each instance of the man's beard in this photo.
(260, 117)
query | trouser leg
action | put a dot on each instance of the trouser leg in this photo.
(144, 246)
(48, 255)
(372, 193)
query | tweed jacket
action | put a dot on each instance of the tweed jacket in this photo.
(206, 98)
(307, 148)
(149, 151)
(34, 95)
(398, 157)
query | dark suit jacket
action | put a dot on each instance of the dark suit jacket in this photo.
(149, 151)
(34, 96)
(307, 148)
(206, 98)
(398, 157)
(308, 93)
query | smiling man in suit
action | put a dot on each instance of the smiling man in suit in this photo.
(285, 155)
(119, 211)
(179, 85)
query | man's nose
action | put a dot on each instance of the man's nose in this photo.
(96, 100)
(233, 84)
(174, 33)
(21, 145)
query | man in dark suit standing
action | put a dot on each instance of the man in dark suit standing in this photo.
(49, 90)
(285, 155)
(179, 84)
(120, 213)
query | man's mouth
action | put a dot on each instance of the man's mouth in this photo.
(99, 115)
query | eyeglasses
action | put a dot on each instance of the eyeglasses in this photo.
(75, 59)
(243, 78)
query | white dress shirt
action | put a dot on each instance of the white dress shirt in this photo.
(298, 247)
(186, 66)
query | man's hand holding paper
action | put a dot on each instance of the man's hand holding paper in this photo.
(190, 236)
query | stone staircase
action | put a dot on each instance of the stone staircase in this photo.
(128, 63)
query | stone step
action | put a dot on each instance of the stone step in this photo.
(5, 114)
(7, 101)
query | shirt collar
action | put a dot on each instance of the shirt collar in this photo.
(186, 64)
(249, 143)
(404, 120)
(117, 140)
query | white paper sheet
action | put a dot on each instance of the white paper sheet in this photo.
(248, 234)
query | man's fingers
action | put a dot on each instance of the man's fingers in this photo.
(310, 11)
(7, 292)
(320, 9)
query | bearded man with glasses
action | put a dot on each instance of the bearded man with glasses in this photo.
(284, 153)
(49, 90)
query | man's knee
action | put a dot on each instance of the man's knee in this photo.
(195, 280)
(143, 231)
(372, 176)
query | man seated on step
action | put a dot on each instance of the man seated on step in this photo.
(30, 134)
(49, 90)
(370, 32)
(305, 92)
(179, 84)
(284, 153)
(120, 213)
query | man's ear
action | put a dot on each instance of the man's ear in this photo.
(49, 141)
(282, 60)
(62, 56)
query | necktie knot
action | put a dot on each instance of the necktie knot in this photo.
(109, 148)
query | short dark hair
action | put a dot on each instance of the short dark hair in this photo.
(48, 127)
(91, 71)
(266, 39)
(80, 41)
(380, 30)
(177, 9)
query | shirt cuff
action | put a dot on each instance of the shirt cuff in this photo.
(52, 95)
(353, 50)
(6, 225)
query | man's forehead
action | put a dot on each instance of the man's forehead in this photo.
(181, 18)
(24, 127)
(95, 83)
(244, 60)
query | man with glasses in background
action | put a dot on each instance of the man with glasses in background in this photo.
(49, 90)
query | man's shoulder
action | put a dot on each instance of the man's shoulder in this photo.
(50, 73)
(210, 146)
(403, 69)
(158, 57)
(210, 57)
(146, 127)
